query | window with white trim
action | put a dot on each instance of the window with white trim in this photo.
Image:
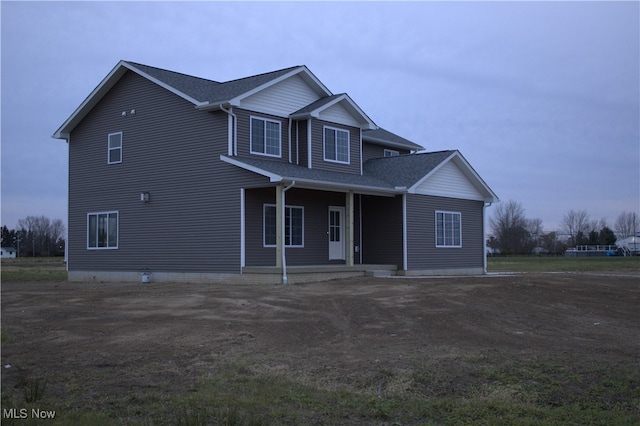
(336, 145)
(265, 137)
(293, 226)
(391, 153)
(448, 229)
(115, 148)
(102, 230)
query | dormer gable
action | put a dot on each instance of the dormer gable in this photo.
(337, 109)
(281, 98)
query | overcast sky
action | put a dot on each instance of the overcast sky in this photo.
(542, 98)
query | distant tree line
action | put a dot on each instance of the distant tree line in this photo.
(36, 236)
(514, 233)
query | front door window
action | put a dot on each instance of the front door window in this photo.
(336, 233)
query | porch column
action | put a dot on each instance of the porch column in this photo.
(349, 222)
(279, 225)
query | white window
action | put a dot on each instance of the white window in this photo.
(115, 148)
(102, 230)
(391, 153)
(448, 229)
(265, 137)
(293, 226)
(336, 145)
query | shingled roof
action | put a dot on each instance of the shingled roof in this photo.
(279, 171)
(210, 94)
(405, 170)
(208, 90)
(385, 137)
(389, 174)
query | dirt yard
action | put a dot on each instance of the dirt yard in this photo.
(99, 345)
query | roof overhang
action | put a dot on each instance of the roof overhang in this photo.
(474, 178)
(103, 88)
(306, 183)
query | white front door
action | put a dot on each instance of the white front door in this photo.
(336, 233)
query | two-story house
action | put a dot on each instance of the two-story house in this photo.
(266, 178)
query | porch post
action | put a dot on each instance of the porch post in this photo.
(279, 225)
(349, 222)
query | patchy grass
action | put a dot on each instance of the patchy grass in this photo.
(465, 387)
(474, 391)
(618, 264)
(34, 269)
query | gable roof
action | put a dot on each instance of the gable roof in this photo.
(210, 94)
(315, 108)
(411, 171)
(202, 93)
(405, 170)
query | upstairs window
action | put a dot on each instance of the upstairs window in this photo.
(448, 229)
(391, 153)
(336, 145)
(115, 148)
(102, 230)
(265, 137)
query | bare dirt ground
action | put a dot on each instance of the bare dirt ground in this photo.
(98, 343)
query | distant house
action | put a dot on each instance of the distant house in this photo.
(8, 252)
(267, 178)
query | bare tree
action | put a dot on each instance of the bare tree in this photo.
(576, 225)
(534, 229)
(40, 236)
(627, 224)
(509, 226)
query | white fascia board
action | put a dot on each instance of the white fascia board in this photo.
(301, 69)
(171, 89)
(474, 177)
(469, 172)
(352, 107)
(367, 122)
(105, 85)
(102, 89)
(412, 189)
(272, 176)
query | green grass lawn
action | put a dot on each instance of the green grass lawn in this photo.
(33, 269)
(617, 264)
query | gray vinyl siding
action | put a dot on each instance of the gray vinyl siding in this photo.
(302, 143)
(421, 246)
(170, 150)
(382, 230)
(244, 134)
(316, 216)
(317, 147)
(371, 151)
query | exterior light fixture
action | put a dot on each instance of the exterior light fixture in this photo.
(144, 197)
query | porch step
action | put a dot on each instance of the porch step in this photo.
(379, 273)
